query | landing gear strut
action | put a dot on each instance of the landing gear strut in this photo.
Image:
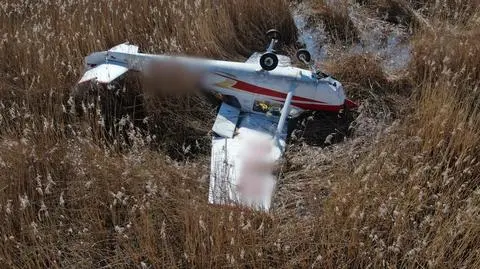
(269, 60)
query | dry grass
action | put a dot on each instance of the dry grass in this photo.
(394, 11)
(413, 13)
(71, 198)
(416, 187)
(449, 53)
(365, 81)
(459, 12)
(358, 72)
(405, 196)
(336, 20)
(42, 55)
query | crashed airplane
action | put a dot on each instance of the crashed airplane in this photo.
(259, 97)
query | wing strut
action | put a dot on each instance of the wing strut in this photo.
(285, 110)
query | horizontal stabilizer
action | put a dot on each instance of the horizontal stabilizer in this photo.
(226, 121)
(103, 67)
(104, 73)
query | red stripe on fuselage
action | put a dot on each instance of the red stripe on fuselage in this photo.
(317, 105)
(244, 86)
(240, 85)
(322, 107)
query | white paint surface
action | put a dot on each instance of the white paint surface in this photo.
(242, 167)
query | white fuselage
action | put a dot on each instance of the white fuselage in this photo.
(249, 136)
(247, 82)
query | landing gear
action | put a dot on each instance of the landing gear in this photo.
(304, 56)
(274, 34)
(269, 61)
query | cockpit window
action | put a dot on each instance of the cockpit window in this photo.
(267, 107)
(273, 108)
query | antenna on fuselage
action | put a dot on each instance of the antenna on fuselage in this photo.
(269, 59)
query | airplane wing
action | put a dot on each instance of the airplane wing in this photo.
(243, 161)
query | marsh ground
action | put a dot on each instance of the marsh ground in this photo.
(83, 188)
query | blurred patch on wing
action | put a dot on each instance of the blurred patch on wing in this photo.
(243, 167)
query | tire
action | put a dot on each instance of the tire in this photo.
(269, 61)
(304, 55)
(274, 34)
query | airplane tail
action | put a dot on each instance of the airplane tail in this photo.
(104, 68)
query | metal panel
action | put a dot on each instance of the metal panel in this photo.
(242, 167)
(104, 73)
(226, 121)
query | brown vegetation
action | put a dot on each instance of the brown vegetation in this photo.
(404, 197)
(412, 13)
(358, 72)
(417, 188)
(336, 20)
(394, 11)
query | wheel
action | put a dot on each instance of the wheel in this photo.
(274, 34)
(304, 55)
(268, 61)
